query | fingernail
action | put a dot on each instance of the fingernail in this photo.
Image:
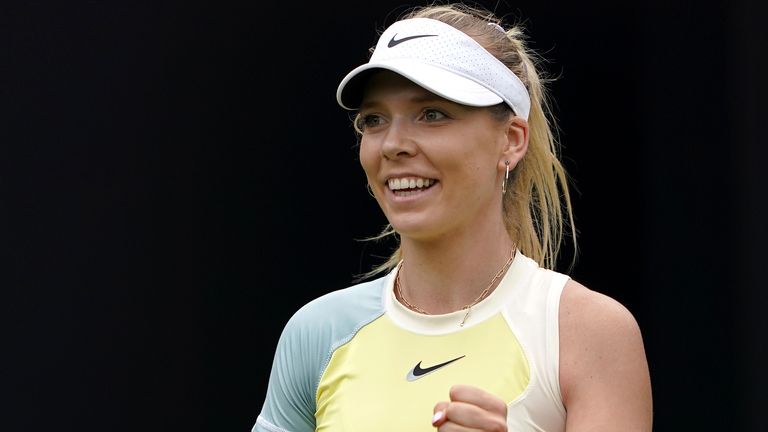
(438, 415)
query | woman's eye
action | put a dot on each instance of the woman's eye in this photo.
(368, 120)
(433, 115)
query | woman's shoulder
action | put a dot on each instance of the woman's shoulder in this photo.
(591, 322)
(344, 308)
(601, 348)
(582, 306)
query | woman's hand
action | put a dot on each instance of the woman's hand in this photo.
(470, 409)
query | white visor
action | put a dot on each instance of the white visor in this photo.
(443, 60)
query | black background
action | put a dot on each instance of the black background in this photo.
(176, 179)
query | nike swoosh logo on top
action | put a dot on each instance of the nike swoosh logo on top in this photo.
(417, 372)
(393, 42)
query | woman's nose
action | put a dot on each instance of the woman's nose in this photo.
(398, 141)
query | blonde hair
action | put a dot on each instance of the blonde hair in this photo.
(537, 204)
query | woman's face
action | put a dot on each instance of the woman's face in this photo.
(435, 166)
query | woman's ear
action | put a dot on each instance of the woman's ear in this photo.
(516, 142)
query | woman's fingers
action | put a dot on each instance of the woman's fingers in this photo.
(481, 398)
(470, 409)
(473, 417)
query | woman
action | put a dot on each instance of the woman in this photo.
(468, 328)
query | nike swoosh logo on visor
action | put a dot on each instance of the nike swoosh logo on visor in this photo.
(417, 371)
(393, 42)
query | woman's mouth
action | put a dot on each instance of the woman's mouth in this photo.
(407, 186)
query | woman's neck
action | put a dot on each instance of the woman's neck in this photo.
(442, 276)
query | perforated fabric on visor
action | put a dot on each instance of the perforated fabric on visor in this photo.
(443, 60)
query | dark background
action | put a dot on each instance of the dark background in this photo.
(176, 179)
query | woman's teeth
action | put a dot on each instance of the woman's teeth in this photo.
(404, 187)
(410, 183)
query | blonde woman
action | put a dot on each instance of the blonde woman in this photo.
(466, 327)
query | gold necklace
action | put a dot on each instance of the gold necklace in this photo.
(468, 307)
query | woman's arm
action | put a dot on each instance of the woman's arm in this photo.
(604, 375)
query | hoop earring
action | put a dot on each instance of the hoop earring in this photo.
(506, 177)
(370, 191)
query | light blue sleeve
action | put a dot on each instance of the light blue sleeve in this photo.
(304, 350)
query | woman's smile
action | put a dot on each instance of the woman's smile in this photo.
(407, 189)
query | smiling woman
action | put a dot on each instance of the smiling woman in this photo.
(469, 327)
(411, 135)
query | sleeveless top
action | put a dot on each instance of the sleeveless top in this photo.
(356, 359)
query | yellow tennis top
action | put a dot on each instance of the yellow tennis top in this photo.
(357, 360)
